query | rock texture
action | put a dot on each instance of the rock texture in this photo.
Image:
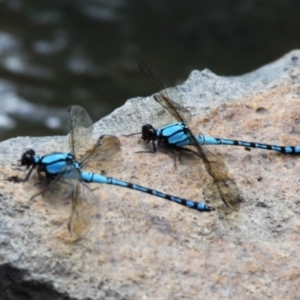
(142, 247)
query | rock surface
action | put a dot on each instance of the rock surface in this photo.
(142, 247)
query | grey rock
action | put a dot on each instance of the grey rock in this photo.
(142, 247)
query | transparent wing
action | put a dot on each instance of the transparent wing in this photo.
(164, 96)
(106, 146)
(214, 165)
(67, 184)
(83, 210)
(81, 131)
(81, 128)
(62, 186)
(217, 169)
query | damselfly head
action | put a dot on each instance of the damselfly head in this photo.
(148, 133)
(27, 158)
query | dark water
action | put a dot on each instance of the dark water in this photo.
(60, 52)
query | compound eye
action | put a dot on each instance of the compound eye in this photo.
(30, 152)
(148, 132)
(27, 158)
